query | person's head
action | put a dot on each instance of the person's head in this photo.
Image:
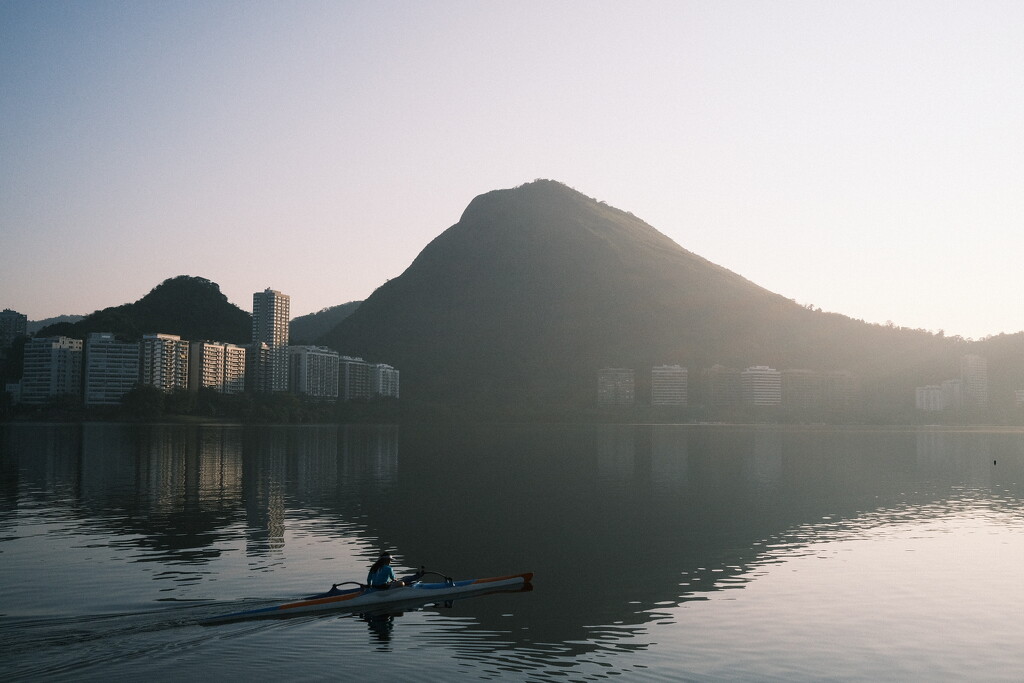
(385, 558)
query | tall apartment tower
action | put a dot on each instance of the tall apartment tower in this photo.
(270, 321)
(974, 376)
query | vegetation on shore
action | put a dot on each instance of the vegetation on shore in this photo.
(146, 404)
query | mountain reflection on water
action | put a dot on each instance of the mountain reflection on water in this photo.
(618, 522)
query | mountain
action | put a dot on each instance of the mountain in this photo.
(537, 287)
(191, 307)
(307, 329)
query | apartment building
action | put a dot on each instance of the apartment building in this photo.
(111, 369)
(52, 368)
(616, 386)
(163, 361)
(270, 320)
(313, 372)
(384, 381)
(218, 366)
(761, 386)
(668, 385)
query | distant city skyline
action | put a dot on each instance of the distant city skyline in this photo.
(860, 158)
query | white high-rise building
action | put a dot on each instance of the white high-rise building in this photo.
(974, 375)
(314, 372)
(668, 385)
(761, 386)
(111, 369)
(383, 381)
(270, 320)
(234, 369)
(217, 366)
(163, 361)
(53, 367)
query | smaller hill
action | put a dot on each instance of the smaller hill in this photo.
(34, 326)
(308, 329)
(191, 307)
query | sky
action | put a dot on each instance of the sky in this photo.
(859, 157)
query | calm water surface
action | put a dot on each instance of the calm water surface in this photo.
(660, 552)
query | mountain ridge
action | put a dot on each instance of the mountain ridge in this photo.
(538, 286)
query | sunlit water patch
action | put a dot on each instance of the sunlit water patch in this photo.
(926, 593)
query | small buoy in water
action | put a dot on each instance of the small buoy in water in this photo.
(993, 462)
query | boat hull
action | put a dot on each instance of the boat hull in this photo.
(379, 599)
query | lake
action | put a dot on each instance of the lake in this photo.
(692, 552)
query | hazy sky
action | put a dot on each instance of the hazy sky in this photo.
(863, 157)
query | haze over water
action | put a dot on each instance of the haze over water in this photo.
(660, 552)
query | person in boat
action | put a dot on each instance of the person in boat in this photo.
(381, 575)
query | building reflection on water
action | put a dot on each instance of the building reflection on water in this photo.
(661, 453)
(181, 486)
(960, 456)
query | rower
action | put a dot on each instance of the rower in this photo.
(381, 575)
